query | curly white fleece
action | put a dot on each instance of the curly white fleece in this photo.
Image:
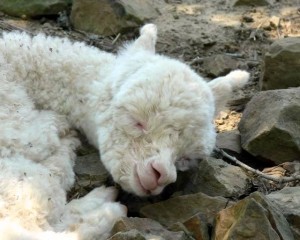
(148, 115)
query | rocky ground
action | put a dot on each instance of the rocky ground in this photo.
(218, 200)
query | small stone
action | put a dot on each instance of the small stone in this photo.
(274, 21)
(89, 168)
(230, 140)
(251, 2)
(248, 19)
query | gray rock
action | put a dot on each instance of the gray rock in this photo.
(230, 140)
(33, 8)
(106, 17)
(180, 209)
(144, 228)
(89, 169)
(219, 65)
(254, 217)
(288, 200)
(218, 178)
(251, 2)
(270, 125)
(281, 65)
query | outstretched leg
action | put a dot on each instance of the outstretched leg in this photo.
(92, 216)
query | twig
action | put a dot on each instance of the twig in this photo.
(235, 55)
(277, 29)
(257, 172)
(10, 27)
(116, 39)
(196, 60)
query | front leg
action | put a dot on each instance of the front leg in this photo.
(93, 215)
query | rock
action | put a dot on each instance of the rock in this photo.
(219, 65)
(180, 209)
(215, 177)
(270, 126)
(293, 168)
(281, 65)
(197, 225)
(129, 235)
(251, 2)
(33, 8)
(230, 140)
(276, 171)
(90, 169)
(274, 22)
(254, 217)
(106, 17)
(143, 228)
(248, 19)
(288, 200)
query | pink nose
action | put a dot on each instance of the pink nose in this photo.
(154, 175)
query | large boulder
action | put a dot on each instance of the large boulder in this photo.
(33, 8)
(288, 200)
(143, 228)
(105, 17)
(180, 209)
(254, 217)
(270, 126)
(281, 65)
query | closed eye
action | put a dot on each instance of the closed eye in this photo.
(140, 126)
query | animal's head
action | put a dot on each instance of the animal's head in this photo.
(161, 117)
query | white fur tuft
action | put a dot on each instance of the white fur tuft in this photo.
(222, 87)
(237, 78)
(149, 29)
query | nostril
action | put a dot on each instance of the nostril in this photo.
(160, 172)
(156, 172)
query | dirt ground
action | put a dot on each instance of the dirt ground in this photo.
(192, 30)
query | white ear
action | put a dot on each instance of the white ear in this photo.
(222, 87)
(147, 39)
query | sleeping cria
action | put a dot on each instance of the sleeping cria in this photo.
(147, 114)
